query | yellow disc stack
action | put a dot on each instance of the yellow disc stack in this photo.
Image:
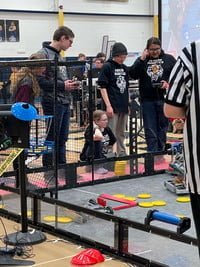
(120, 168)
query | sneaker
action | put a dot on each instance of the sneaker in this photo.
(101, 171)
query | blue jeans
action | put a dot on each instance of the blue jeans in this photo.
(63, 119)
(155, 125)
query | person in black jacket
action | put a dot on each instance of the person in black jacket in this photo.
(103, 138)
(152, 70)
(62, 40)
(114, 82)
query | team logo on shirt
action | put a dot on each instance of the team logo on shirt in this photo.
(121, 82)
(155, 70)
(105, 143)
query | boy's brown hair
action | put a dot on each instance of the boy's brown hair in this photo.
(97, 114)
(63, 30)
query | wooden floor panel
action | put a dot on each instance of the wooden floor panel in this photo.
(54, 252)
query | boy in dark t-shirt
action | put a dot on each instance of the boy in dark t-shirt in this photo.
(113, 81)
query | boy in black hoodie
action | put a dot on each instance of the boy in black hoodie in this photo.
(152, 70)
(113, 82)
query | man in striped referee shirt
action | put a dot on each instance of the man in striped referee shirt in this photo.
(183, 101)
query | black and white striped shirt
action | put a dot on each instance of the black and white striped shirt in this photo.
(185, 92)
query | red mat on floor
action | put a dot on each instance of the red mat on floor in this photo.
(85, 177)
(8, 182)
(4, 193)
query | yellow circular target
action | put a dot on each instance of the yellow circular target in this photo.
(49, 219)
(1, 206)
(130, 198)
(183, 199)
(144, 195)
(59, 219)
(159, 203)
(64, 220)
(146, 204)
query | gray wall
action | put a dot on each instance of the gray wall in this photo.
(130, 22)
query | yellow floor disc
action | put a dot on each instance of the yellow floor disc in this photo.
(130, 198)
(60, 219)
(1, 206)
(29, 213)
(183, 199)
(49, 219)
(159, 203)
(64, 220)
(144, 195)
(119, 195)
(146, 204)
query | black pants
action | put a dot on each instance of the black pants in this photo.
(195, 204)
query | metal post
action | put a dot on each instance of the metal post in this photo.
(91, 108)
(22, 175)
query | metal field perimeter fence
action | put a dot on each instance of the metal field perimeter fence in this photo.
(12, 72)
(84, 101)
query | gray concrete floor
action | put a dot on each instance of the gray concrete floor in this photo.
(147, 245)
(150, 246)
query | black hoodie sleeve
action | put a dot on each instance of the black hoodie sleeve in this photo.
(137, 69)
(104, 76)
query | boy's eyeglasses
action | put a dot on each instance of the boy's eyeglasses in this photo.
(154, 49)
